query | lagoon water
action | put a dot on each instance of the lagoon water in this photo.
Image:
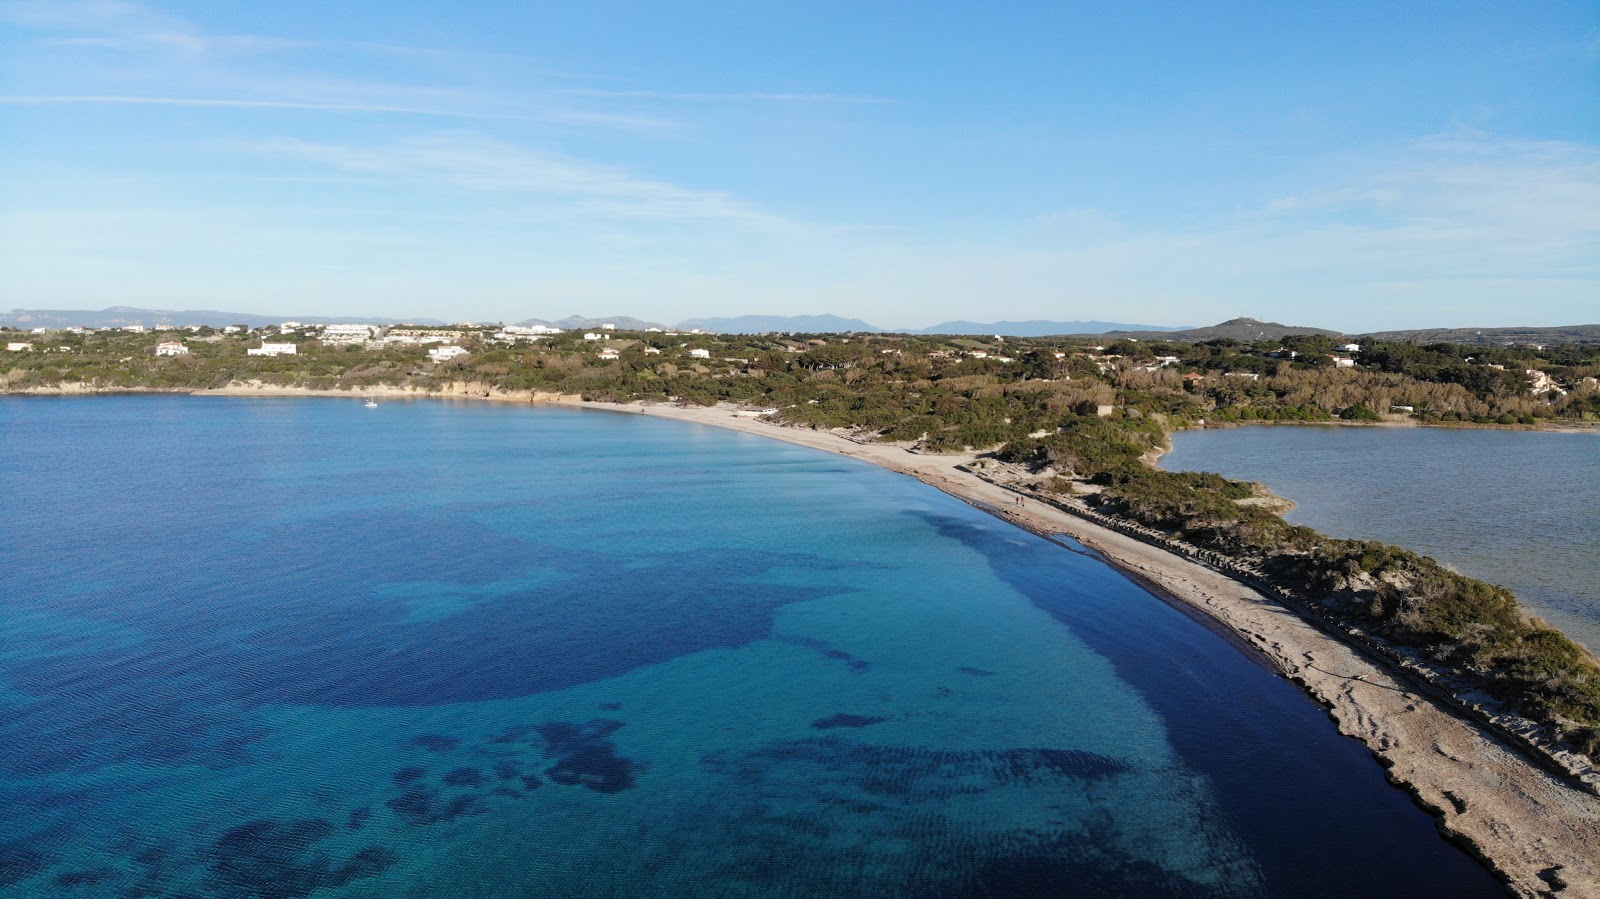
(1518, 508)
(284, 648)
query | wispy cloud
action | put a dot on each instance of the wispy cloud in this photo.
(569, 116)
(115, 24)
(729, 97)
(224, 103)
(115, 44)
(478, 163)
(1468, 228)
(165, 56)
(1463, 185)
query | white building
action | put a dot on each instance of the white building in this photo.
(171, 348)
(1539, 382)
(1343, 362)
(512, 333)
(133, 329)
(348, 333)
(273, 349)
(445, 353)
(700, 354)
(608, 327)
(1351, 347)
(231, 329)
(609, 355)
(19, 347)
(593, 336)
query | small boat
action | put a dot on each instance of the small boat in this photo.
(372, 404)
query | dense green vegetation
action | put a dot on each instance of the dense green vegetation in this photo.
(1082, 419)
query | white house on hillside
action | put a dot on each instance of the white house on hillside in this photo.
(171, 348)
(348, 333)
(273, 349)
(445, 353)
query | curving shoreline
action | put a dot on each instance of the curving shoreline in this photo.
(1533, 829)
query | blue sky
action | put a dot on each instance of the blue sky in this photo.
(1356, 166)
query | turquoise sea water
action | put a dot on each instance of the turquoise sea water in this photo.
(283, 648)
(1519, 508)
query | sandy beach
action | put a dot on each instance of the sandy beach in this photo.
(1537, 832)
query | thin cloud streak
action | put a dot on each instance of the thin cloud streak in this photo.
(131, 26)
(481, 164)
(633, 123)
(220, 102)
(733, 97)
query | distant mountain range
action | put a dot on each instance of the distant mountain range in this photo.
(1588, 334)
(833, 324)
(1236, 329)
(121, 316)
(1037, 328)
(761, 324)
(1250, 329)
(579, 322)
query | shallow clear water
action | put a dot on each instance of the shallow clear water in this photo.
(1518, 508)
(255, 647)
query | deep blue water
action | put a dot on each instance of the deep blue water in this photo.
(1518, 508)
(282, 648)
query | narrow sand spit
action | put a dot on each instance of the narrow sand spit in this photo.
(1538, 833)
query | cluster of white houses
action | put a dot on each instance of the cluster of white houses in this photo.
(377, 336)
(273, 349)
